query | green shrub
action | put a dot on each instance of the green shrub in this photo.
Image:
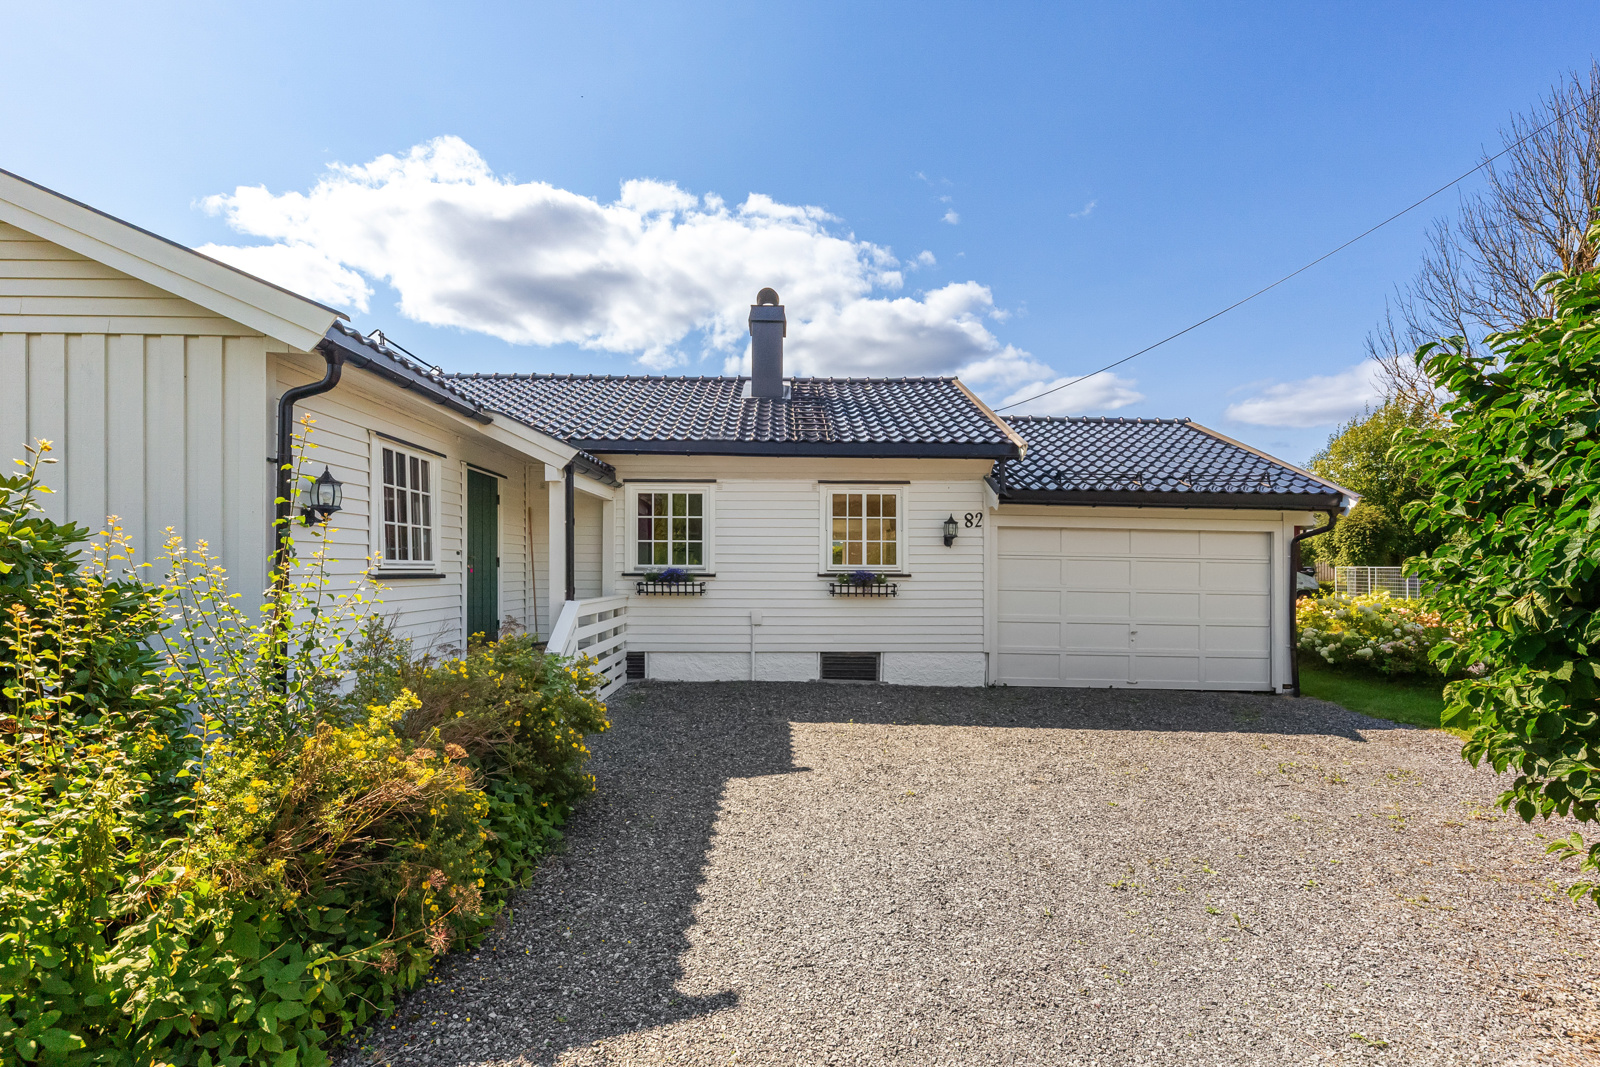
(209, 856)
(1373, 632)
(1513, 491)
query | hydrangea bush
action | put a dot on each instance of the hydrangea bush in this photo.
(1374, 631)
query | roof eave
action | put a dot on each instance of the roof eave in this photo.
(840, 449)
(360, 355)
(1262, 501)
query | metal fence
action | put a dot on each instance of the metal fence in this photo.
(1354, 581)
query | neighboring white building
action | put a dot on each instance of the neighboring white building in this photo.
(1026, 551)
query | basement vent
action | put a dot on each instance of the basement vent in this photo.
(635, 666)
(849, 666)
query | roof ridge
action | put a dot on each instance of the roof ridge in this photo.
(572, 376)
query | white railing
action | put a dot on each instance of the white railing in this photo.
(1355, 581)
(596, 628)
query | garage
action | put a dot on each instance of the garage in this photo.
(1165, 609)
(1147, 553)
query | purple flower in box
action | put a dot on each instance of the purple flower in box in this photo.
(863, 578)
(673, 574)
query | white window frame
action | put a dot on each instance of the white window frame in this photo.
(825, 529)
(381, 564)
(708, 525)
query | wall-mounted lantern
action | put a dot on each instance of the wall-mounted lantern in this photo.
(950, 531)
(322, 498)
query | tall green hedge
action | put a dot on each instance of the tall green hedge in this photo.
(1513, 482)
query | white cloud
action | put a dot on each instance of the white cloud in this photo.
(1088, 209)
(654, 274)
(924, 258)
(300, 267)
(1104, 391)
(1316, 401)
(951, 217)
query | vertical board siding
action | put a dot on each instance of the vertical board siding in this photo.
(125, 442)
(14, 438)
(203, 489)
(166, 444)
(47, 412)
(245, 472)
(86, 425)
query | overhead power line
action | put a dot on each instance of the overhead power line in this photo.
(1268, 288)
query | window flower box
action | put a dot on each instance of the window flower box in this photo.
(862, 583)
(672, 581)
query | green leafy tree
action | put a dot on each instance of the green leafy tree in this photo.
(1514, 486)
(1361, 457)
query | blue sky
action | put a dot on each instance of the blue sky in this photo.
(1083, 179)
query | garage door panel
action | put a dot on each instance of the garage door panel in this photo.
(1095, 542)
(1024, 573)
(1222, 543)
(1165, 574)
(1240, 672)
(1253, 639)
(1079, 604)
(1095, 573)
(1030, 667)
(1030, 602)
(1092, 669)
(1094, 635)
(1166, 542)
(1237, 607)
(1030, 635)
(1156, 638)
(1238, 577)
(1166, 669)
(1021, 540)
(1166, 606)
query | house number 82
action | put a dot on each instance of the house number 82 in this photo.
(974, 518)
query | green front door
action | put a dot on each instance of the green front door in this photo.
(483, 559)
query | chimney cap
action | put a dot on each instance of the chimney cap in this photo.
(767, 297)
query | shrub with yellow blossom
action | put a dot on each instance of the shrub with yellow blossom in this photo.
(210, 857)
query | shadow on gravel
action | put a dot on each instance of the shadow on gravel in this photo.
(592, 950)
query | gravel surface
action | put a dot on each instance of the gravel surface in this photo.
(815, 873)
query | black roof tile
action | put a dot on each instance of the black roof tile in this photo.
(820, 416)
(1096, 459)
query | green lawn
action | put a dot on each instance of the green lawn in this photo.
(1417, 701)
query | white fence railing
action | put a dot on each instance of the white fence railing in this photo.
(1355, 581)
(596, 628)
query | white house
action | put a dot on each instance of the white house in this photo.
(1024, 551)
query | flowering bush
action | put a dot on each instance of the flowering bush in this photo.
(208, 855)
(1374, 631)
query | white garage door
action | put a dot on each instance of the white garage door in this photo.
(1158, 609)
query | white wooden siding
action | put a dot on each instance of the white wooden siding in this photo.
(45, 288)
(155, 406)
(430, 611)
(768, 544)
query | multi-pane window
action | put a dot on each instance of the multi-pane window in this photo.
(865, 529)
(671, 530)
(407, 508)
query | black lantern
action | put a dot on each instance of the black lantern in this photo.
(950, 531)
(322, 498)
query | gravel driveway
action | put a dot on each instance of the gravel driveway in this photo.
(815, 873)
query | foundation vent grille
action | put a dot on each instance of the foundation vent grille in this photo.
(850, 666)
